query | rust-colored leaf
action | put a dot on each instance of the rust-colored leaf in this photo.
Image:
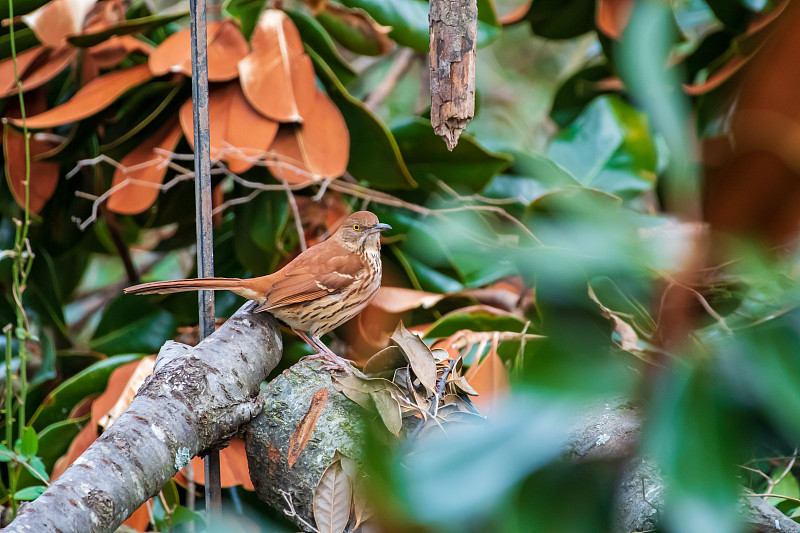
(110, 53)
(103, 415)
(239, 134)
(43, 174)
(319, 148)
(277, 76)
(232, 468)
(93, 97)
(489, 378)
(226, 46)
(301, 435)
(612, 16)
(36, 67)
(398, 299)
(57, 19)
(332, 499)
(147, 168)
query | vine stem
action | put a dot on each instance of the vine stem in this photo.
(21, 269)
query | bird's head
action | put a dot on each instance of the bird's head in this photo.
(360, 230)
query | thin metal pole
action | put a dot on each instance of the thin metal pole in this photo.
(205, 232)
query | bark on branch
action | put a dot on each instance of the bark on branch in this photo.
(195, 399)
(453, 35)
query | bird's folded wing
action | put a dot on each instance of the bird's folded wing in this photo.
(313, 280)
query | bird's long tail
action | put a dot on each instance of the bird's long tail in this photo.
(239, 286)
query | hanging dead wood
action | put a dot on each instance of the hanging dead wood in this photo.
(453, 34)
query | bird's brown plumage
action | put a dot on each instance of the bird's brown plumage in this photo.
(320, 289)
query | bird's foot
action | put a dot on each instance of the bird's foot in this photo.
(332, 361)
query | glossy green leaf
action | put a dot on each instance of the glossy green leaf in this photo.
(561, 19)
(350, 37)
(30, 493)
(24, 38)
(576, 93)
(58, 404)
(481, 462)
(468, 167)
(609, 147)
(476, 318)
(54, 440)
(21, 7)
(317, 38)
(129, 324)
(374, 155)
(409, 20)
(140, 25)
(697, 441)
(259, 226)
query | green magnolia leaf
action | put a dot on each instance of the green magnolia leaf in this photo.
(468, 167)
(21, 7)
(374, 155)
(259, 226)
(476, 318)
(317, 38)
(129, 324)
(694, 436)
(609, 148)
(140, 25)
(353, 38)
(92, 380)
(409, 20)
(30, 493)
(246, 12)
(561, 19)
(575, 93)
(24, 38)
(29, 442)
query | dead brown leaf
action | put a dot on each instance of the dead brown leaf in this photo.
(43, 174)
(226, 46)
(332, 499)
(112, 52)
(318, 148)
(418, 354)
(489, 378)
(389, 410)
(145, 166)
(305, 428)
(91, 98)
(56, 20)
(35, 66)
(277, 76)
(239, 134)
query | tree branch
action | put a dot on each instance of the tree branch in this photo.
(195, 399)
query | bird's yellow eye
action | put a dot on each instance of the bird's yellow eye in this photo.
(356, 227)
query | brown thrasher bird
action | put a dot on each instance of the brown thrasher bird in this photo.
(320, 289)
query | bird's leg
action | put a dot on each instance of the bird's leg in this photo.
(333, 361)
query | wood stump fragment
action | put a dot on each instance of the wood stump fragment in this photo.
(453, 38)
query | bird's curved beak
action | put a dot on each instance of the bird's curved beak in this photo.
(380, 226)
